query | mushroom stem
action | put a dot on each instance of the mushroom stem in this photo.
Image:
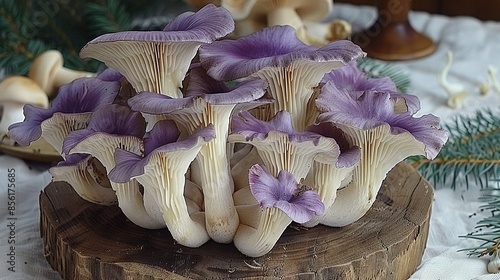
(130, 199)
(256, 237)
(214, 169)
(221, 216)
(492, 78)
(327, 180)
(65, 75)
(285, 15)
(12, 112)
(379, 154)
(456, 92)
(131, 202)
(218, 187)
(292, 86)
(188, 230)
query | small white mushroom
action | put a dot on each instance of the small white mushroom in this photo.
(492, 78)
(320, 33)
(15, 92)
(47, 71)
(494, 263)
(252, 16)
(456, 92)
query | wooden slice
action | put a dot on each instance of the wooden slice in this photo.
(39, 150)
(87, 241)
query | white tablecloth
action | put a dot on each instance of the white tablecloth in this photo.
(455, 212)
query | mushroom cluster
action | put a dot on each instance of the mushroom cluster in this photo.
(307, 17)
(229, 140)
(46, 75)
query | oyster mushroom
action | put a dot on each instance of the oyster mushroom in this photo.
(157, 61)
(208, 102)
(48, 72)
(70, 110)
(328, 177)
(252, 15)
(280, 146)
(112, 127)
(85, 174)
(291, 68)
(280, 200)
(351, 78)
(15, 92)
(282, 149)
(385, 137)
(162, 171)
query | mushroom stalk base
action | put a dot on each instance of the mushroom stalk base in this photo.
(399, 218)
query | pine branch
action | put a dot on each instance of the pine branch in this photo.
(18, 48)
(158, 14)
(487, 230)
(377, 69)
(106, 17)
(472, 152)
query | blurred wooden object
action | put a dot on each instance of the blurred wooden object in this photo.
(484, 9)
(392, 37)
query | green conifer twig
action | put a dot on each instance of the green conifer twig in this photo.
(487, 230)
(472, 151)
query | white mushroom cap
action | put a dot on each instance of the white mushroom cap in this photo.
(24, 90)
(239, 9)
(306, 9)
(250, 16)
(47, 70)
(15, 92)
(198, 4)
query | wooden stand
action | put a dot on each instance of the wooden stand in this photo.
(87, 241)
(392, 37)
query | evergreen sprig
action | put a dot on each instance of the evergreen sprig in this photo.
(30, 27)
(377, 69)
(17, 45)
(487, 230)
(471, 153)
(107, 17)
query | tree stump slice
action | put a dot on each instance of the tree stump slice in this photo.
(88, 241)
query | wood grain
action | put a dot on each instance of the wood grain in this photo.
(88, 241)
(391, 36)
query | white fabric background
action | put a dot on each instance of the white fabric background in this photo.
(475, 44)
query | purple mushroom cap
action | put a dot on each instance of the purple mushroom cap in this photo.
(200, 86)
(272, 47)
(252, 128)
(80, 96)
(284, 193)
(205, 26)
(369, 109)
(113, 120)
(161, 139)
